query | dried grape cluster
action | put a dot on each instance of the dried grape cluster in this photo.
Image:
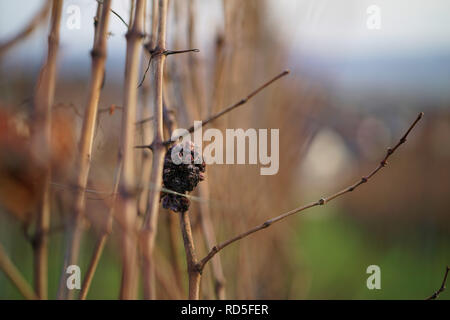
(181, 175)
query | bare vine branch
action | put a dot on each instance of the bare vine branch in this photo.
(319, 202)
(166, 53)
(228, 109)
(101, 241)
(191, 258)
(15, 276)
(116, 14)
(45, 92)
(435, 295)
(98, 55)
(127, 200)
(149, 228)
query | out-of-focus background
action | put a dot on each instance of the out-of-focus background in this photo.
(352, 92)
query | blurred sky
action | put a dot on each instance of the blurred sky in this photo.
(407, 26)
(329, 39)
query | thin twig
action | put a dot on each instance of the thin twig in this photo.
(195, 99)
(149, 228)
(146, 130)
(15, 276)
(442, 288)
(132, 8)
(210, 239)
(170, 123)
(196, 107)
(166, 53)
(45, 92)
(242, 101)
(101, 241)
(128, 203)
(228, 109)
(320, 202)
(171, 52)
(85, 149)
(116, 14)
(111, 194)
(145, 72)
(193, 272)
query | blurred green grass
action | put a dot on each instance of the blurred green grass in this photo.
(336, 251)
(106, 282)
(333, 252)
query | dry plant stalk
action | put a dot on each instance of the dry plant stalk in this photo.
(98, 54)
(128, 204)
(148, 232)
(319, 202)
(210, 239)
(146, 127)
(170, 123)
(195, 268)
(15, 276)
(226, 110)
(441, 289)
(101, 241)
(192, 264)
(198, 94)
(44, 96)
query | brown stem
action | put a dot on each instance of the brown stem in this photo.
(146, 128)
(98, 250)
(210, 239)
(85, 148)
(132, 8)
(40, 243)
(45, 92)
(228, 109)
(118, 15)
(128, 201)
(171, 220)
(154, 25)
(168, 286)
(193, 271)
(320, 202)
(197, 103)
(219, 68)
(166, 53)
(242, 101)
(442, 288)
(149, 229)
(170, 123)
(198, 95)
(15, 276)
